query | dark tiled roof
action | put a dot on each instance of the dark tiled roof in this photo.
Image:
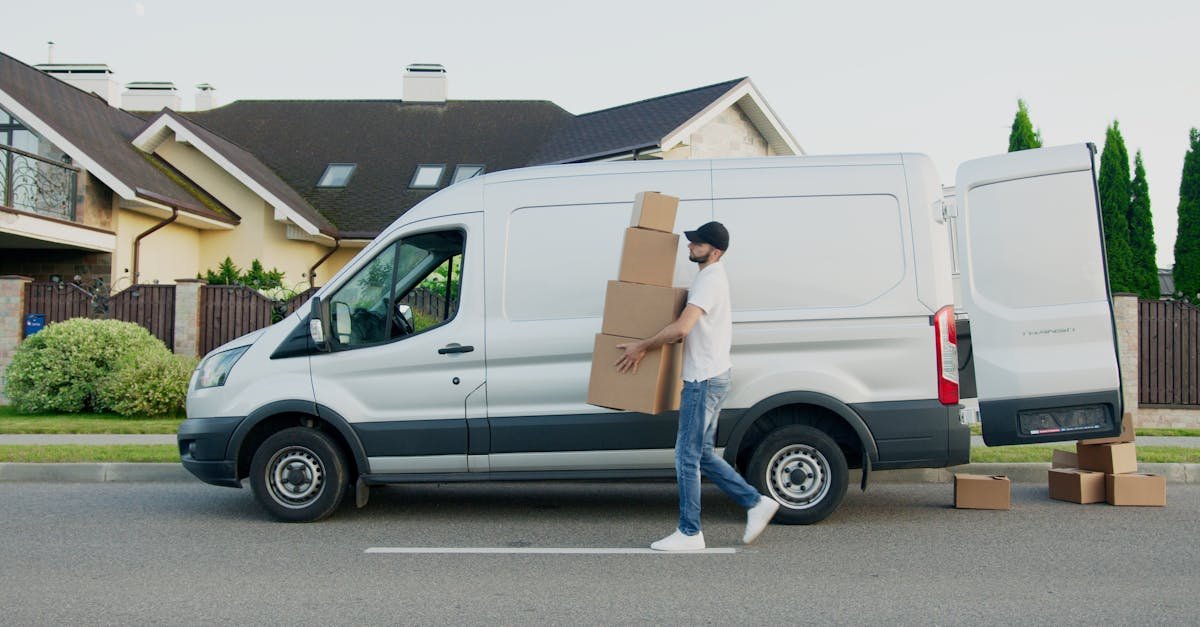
(102, 132)
(387, 139)
(254, 168)
(627, 127)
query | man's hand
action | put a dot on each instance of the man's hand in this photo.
(634, 353)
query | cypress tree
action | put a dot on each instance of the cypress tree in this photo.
(1141, 234)
(1187, 236)
(1114, 206)
(1023, 137)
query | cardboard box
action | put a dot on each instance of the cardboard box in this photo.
(982, 492)
(655, 211)
(1064, 459)
(1110, 459)
(1126, 433)
(648, 257)
(1076, 486)
(636, 310)
(654, 389)
(1137, 489)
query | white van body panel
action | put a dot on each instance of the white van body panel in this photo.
(1042, 322)
(256, 380)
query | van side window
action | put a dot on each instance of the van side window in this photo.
(411, 286)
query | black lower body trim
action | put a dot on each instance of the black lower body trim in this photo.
(916, 434)
(561, 475)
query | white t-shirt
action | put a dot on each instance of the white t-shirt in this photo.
(706, 347)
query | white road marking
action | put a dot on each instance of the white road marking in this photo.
(539, 551)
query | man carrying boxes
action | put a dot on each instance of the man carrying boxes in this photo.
(706, 326)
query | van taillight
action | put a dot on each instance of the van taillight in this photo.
(946, 341)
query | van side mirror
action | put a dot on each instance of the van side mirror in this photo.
(318, 324)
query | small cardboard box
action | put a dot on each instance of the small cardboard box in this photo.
(1126, 433)
(1110, 459)
(1064, 459)
(654, 389)
(1137, 489)
(982, 492)
(1076, 486)
(636, 310)
(648, 257)
(655, 211)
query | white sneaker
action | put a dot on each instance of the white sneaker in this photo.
(758, 517)
(680, 542)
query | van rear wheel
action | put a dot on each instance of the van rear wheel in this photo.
(802, 468)
(299, 475)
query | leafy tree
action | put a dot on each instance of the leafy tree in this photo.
(1023, 137)
(1114, 206)
(1187, 237)
(226, 274)
(1141, 234)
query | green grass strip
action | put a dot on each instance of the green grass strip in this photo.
(1042, 453)
(12, 421)
(71, 453)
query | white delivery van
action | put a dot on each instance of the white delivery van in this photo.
(456, 346)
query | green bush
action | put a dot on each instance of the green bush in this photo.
(150, 385)
(59, 368)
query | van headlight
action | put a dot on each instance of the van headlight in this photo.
(214, 370)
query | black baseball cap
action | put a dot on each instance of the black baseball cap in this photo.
(713, 233)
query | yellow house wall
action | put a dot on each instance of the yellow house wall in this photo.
(258, 236)
(167, 254)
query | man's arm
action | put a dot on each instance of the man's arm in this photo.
(635, 351)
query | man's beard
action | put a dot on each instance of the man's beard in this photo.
(703, 259)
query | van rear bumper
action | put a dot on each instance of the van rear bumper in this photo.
(203, 447)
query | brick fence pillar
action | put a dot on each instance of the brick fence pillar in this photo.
(187, 317)
(1126, 310)
(12, 322)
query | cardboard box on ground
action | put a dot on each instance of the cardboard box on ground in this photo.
(636, 306)
(982, 492)
(1105, 470)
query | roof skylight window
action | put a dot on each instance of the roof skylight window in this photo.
(465, 171)
(336, 175)
(427, 176)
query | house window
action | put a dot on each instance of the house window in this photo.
(427, 176)
(336, 175)
(464, 172)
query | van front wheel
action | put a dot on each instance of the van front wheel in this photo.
(299, 475)
(803, 469)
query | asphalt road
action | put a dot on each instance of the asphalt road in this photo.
(190, 553)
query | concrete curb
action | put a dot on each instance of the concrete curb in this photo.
(174, 473)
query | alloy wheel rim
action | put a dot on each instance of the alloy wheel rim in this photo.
(798, 476)
(295, 477)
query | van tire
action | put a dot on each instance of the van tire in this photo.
(803, 469)
(299, 475)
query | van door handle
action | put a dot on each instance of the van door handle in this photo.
(455, 348)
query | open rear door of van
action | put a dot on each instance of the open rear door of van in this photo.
(1035, 285)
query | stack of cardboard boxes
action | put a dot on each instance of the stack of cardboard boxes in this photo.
(638, 305)
(1105, 469)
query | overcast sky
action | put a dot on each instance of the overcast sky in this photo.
(942, 78)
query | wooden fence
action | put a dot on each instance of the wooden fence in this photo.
(1168, 343)
(152, 306)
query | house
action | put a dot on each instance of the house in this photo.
(136, 196)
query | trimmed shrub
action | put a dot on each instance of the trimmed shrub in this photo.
(151, 385)
(59, 368)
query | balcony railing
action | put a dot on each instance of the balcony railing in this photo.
(36, 184)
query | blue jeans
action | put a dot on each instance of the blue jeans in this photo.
(699, 407)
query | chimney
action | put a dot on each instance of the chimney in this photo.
(425, 82)
(150, 96)
(96, 78)
(206, 97)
